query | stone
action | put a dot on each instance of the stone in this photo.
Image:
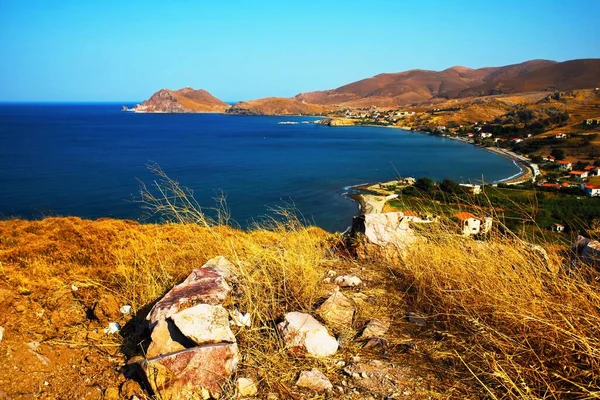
(385, 229)
(375, 328)
(239, 319)
(192, 373)
(112, 328)
(166, 339)
(204, 285)
(416, 318)
(246, 387)
(348, 281)
(588, 250)
(314, 380)
(125, 309)
(204, 323)
(337, 310)
(303, 334)
(224, 267)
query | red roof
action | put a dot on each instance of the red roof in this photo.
(577, 172)
(550, 185)
(465, 215)
(591, 186)
(565, 184)
(590, 168)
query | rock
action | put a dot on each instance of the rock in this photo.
(337, 310)
(224, 266)
(374, 328)
(314, 380)
(331, 273)
(385, 229)
(375, 342)
(166, 339)
(192, 373)
(588, 250)
(204, 285)
(304, 334)
(204, 323)
(246, 387)
(348, 281)
(1, 333)
(125, 309)
(112, 328)
(240, 319)
(416, 318)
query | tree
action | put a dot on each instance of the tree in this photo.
(449, 186)
(558, 154)
(537, 159)
(425, 185)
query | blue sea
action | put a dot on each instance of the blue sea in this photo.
(86, 159)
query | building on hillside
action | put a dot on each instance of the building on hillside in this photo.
(564, 165)
(485, 135)
(471, 225)
(592, 170)
(517, 140)
(591, 189)
(561, 136)
(548, 185)
(579, 175)
(592, 121)
(470, 188)
(558, 228)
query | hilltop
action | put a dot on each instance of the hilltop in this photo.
(418, 86)
(186, 100)
(277, 106)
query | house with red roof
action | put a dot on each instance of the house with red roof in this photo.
(579, 175)
(592, 170)
(591, 189)
(471, 225)
(565, 165)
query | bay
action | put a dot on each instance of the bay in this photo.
(85, 159)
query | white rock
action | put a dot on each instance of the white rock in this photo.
(348, 281)
(246, 387)
(239, 319)
(302, 333)
(1, 333)
(74, 288)
(112, 328)
(204, 323)
(125, 310)
(385, 229)
(331, 273)
(314, 380)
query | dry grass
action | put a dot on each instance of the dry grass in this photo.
(517, 329)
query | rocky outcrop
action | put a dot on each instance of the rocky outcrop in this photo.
(193, 351)
(186, 100)
(588, 250)
(303, 334)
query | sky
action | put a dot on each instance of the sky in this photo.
(125, 50)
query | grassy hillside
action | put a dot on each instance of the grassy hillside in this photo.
(502, 321)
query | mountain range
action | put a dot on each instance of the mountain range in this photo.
(398, 89)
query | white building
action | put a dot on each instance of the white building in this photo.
(474, 189)
(591, 189)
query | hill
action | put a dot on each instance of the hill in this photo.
(186, 100)
(417, 86)
(277, 106)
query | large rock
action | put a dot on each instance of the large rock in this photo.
(348, 281)
(204, 323)
(303, 334)
(337, 310)
(199, 372)
(166, 338)
(314, 380)
(204, 285)
(385, 229)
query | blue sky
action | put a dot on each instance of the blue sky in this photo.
(63, 50)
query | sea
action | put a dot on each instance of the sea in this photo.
(89, 160)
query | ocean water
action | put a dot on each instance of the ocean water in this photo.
(85, 159)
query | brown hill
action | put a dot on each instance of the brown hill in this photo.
(417, 86)
(277, 106)
(186, 100)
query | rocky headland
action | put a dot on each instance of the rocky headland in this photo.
(186, 100)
